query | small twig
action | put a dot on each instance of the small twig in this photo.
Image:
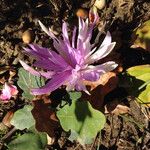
(76, 146)
(8, 134)
(94, 141)
(111, 126)
(133, 121)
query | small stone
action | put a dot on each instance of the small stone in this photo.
(100, 4)
(82, 13)
(28, 36)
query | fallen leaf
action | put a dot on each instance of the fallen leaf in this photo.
(45, 118)
(7, 118)
(116, 108)
(2, 80)
(3, 129)
(7, 74)
(12, 73)
(44, 97)
(141, 36)
(104, 79)
(4, 69)
(100, 88)
(120, 109)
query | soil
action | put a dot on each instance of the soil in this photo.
(121, 132)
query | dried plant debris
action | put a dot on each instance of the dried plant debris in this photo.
(121, 130)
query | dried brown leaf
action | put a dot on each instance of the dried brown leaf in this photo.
(115, 108)
(102, 81)
(7, 118)
(100, 88)
(45, 118)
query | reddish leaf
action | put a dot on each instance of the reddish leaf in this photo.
(100, 88)
(45, 118)
(7, 118)
(116, 108)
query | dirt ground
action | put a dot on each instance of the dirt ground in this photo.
(121, 132)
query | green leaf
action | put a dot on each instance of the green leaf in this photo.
(141, 36)
(83, 120)
(144, 96)
(32, 140)
(28, 81)
(142, 76)
(144, 27)
(139, 70)
(23, 118)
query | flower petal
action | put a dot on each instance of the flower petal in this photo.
(107, 39)
(81, 87)
(53, 84)
(90, 75)
(103, 68)
(28, 68)
(65, 33)
(38, 51)
(48, 65)
(100, 53)
(47, 74)
(8, 91)
(93, 15)
(93, 73)
(47, 56)
(45, 53)
(48, 32)
(73, 37)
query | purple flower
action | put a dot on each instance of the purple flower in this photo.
(72, 62)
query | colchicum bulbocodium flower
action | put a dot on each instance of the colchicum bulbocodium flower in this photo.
(72, 61)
